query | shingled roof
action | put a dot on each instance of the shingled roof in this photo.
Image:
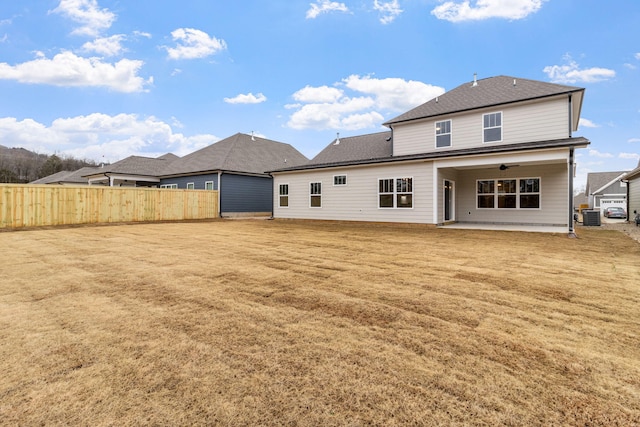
(362, 147)
(489, 92)
(239, 153)
(67, 177)
(138, 165)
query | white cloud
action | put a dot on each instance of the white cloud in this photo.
(318, 94)
(637, 55)
(246, 99)
(102, 137)
(634, 156)
(363, 107)
(596, 153)
(68, 69)
(106, 46)
(571, 73)
(325, 6)
(632, 140)
(455, 11)
(394, 94)
(4, 38)
(142, 34)
(88, 14)
(193, 44)
(390, 10)
(587, 123)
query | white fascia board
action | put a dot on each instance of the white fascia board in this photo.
(144, 178)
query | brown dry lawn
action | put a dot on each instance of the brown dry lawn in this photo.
(318, 324)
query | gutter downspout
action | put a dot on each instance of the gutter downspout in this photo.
(571, 207)
(628, 194)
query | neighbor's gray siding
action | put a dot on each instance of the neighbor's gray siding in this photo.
(197, 180)
(241, 193)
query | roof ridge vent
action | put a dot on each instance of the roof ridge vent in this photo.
(475, 80)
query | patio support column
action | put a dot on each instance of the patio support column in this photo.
(571, 166)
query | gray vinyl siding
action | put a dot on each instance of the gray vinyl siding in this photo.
(634, 197)
(242, 193)
(358, 200)
(534, 121)
(198, 181)
(554, 196)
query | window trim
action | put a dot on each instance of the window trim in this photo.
(212, 185)
(501, 127)
(518, 194)
(280, 195)
(312, 195)
(450, 133)
(191, 185)
(396, 193)
(340, 184)
(169, 186)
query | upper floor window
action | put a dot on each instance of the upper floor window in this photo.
(443, 134)
(492, 127)
(173, 186)
(191, 185)
(315, 195)
(284, 196)
(340, 180)
(208, 185)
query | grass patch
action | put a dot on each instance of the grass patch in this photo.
(318, 323)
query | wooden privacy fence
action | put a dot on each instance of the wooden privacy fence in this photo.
(38, 205)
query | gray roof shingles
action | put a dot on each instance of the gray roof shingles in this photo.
(239, 153)
(488, 92)
(371, 146)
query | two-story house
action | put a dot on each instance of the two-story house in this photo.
(498, 151)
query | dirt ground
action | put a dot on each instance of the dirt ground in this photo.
(301, 323)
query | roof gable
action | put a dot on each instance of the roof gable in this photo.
(239, 153)
(599, 181)
(486, 93)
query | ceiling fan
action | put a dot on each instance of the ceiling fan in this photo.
(504, 167)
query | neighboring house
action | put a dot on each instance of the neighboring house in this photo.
(605, 190)
(632, 180)
(496, 151)
(133, 171)
(237, 167)
(77, 177)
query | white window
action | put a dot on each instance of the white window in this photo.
(190, 186)
(283, 200)
(443, 134)
(395, 193)
(514, 193)
(315, 194)
(492, 127)
(174, 186)
(340, 180)
(208, 185)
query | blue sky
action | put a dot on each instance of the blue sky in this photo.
(105, 79)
